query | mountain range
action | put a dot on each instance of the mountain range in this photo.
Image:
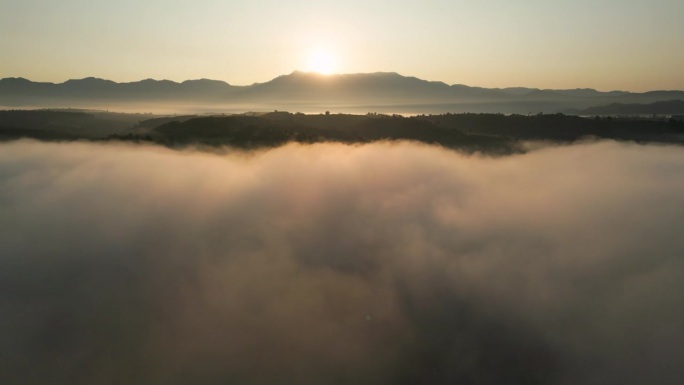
(386, 92)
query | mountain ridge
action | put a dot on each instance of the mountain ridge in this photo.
(323, 76)
(384, 90)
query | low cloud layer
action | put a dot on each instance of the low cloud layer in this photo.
(334, 264)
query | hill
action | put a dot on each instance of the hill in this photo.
(488, 133)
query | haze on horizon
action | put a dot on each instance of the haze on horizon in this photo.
(631, 45)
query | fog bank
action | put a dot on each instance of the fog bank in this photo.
(334, 264)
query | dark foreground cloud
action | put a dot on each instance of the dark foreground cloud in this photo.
(332, 264)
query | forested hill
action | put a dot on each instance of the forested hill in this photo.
(492, 133)
(472, 132)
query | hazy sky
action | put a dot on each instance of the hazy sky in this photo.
(604, 44)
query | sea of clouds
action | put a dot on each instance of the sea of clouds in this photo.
(387, 263)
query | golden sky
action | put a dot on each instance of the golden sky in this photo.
(630, 45)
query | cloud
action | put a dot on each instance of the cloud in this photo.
(374, 264)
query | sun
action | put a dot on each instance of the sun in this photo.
(322, 61)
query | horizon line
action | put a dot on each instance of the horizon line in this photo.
(322, 75)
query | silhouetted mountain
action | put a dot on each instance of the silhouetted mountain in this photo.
(670, 107)
(355, 88)
(95, 92)
(590, 93)
(577, 92)
(359, 93)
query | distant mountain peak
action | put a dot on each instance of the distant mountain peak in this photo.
(89, 80)
(155, 81)
(16, 80)
(204, 81)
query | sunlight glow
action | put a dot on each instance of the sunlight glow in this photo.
(322, 61)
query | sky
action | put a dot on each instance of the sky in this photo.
(632, 45)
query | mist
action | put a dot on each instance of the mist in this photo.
(385, 263)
